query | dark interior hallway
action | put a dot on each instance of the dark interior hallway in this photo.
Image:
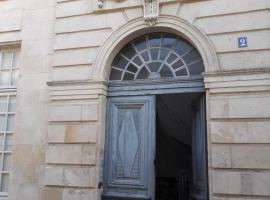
(173, 161)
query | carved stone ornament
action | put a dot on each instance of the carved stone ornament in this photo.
(100, 3)
(151, 11)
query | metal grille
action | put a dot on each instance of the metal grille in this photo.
(155, 56)
(184, 186)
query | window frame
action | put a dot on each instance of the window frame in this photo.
(8, 91)
(178, 68)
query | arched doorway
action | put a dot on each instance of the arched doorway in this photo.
(155, 102)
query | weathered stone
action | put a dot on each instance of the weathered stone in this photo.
(38, 29)
(71, 8)
(248, 183)
(10, 37)
(240, 107)
(70, 176)
(81, 23)
(168, 9)
(84, 133)
(250, 156)
(89, 155)
(237, 198)
(65, 73)
(221, 156)
(244, 60)
(11, 20)
(257, 38)
(240, 132)
(74, 57)
(53, 176)
(81, 133)
(92, 38)
(65, 113)
(56, 133)
(238, 22)
(53, 193)
(64, 154)
(133, 13)
(217, 9)
(90, 112)
(71, 154)
(73, 112)
(79, 194)
(79, 177)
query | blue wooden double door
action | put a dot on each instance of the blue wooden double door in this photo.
(130, 149)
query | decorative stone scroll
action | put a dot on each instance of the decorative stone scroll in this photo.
(151, 11)
(100, 3)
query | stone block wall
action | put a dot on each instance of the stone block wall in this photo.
(72, 151)
(29, 26)
(238, 131)
(60, 119)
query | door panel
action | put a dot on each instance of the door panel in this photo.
(130, 136)
(199, 183)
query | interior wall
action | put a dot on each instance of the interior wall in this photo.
(173, 133)
(179, 106)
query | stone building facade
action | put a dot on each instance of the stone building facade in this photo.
(58, 54)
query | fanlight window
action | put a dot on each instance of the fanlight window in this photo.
(156, 56)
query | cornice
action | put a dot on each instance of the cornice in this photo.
(237, 81)
(76, 90)
(237, 72)
(76, 82)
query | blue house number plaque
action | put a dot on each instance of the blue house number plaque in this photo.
(242, 42)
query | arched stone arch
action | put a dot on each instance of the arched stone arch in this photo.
(137, 27)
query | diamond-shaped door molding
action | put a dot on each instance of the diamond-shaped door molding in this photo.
(128, 144)
(130, 135)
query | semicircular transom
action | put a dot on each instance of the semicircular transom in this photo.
(156, 56)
